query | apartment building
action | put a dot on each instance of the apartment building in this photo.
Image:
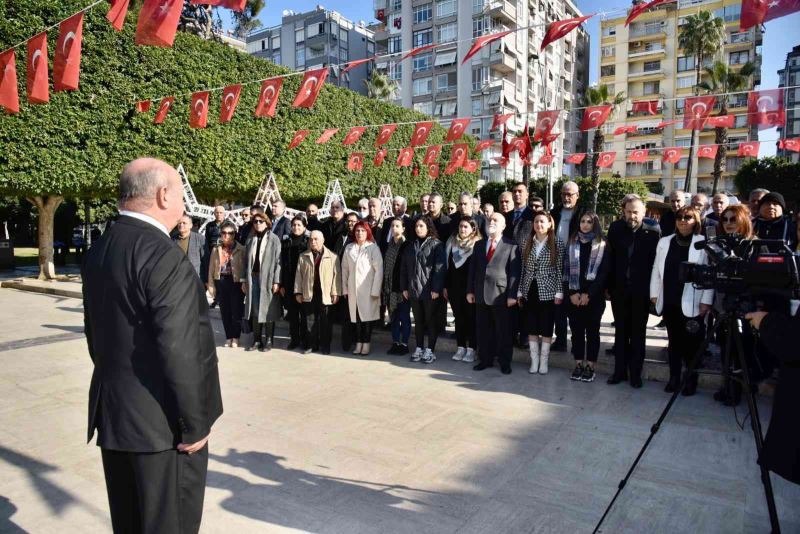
(643, 61)
(316, 38)
(789, 76)
(510, 75)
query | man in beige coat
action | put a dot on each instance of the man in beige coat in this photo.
(317, 286)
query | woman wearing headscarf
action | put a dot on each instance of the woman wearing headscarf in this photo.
(459, 249)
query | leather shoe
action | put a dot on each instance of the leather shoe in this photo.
(690, 387)
(671, 386)
(480, 367)
(614, 380)
(505, 370)
(636, 382)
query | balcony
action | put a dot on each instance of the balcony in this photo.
(501, 9)
(648, 32)
(644, 74)
(651, 49)
(502, 61)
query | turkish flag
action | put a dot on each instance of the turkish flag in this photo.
(721, 121)
(310, 87)
(696, 110)
(500, 120)
(67, 62)
(645, 106)
(198, 110)
(626, 129)
(672, 154)
(37, 88)
(163, 109)
(385, 134)
(417, 50)
(143, 106)
(765, 108)
(472, 165)
(268, 97)
(760, 11)
(230, 99)
(502, 161)
(116, 13)
(353, 64)
(355, 162)
(606, 159)
(483, 145)
(415, 171)
(326, 135)
(405, 157)
(575, 159)
(457, 128)
(707, 151)
(298, 137)
(158, 22)
(641, 8)
(9, 94)
(559, 28)
(433, 170)
(353, 135)
(664, 124)
(638, 156)
(432, 154)
(380, 155)
(549, 138)
(236, 5)
(545, 121)
(482, 41)
(546, 159)
(421, 132)
(749, 149)
(458, 155)
(792, 144)
(594, 117)
(518, 144)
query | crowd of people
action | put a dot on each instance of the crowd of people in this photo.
(518, 275)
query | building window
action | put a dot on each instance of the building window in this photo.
(740, 121)
(276, 42)
(477, 107)
(650, 66)
(422, 62)
(608, 51)
(446, 82)
(739, 37)
(650, 88)
(446, 32)
(730, 13)
(739, 58)
(299, 56)
(608, 31)
(423, 13)
(446, 8)
(608, 70)
(263, 44)
(395, 71)
(276, 57)
(390, 22)
(444, 58)
(685, 63)
(686, 82)
(422, 86)
(343, 36)
(424, 107)
(315, 29)
(422, 38)
(477, 6)
(299, 35)
(480, 76)
(480, 26)
(683, 141)
(395, 45)
(445, 109)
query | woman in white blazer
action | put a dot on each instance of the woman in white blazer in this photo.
(680, 303)
(362, 277)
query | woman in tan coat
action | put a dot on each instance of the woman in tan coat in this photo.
(362, 276)
(225, 277)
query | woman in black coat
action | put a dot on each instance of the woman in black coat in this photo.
(398, 308)
(292, 247)
(458, 251)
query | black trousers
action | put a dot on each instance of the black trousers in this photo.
(342, 312)
(584, 321)
(562, 316)
(321, 330)
(231, 305)
(363, 330)
(427, 318)
(464, 314)
(494, 333)
(630, 313)
(683, 346)
(298, 322)
(159, 492)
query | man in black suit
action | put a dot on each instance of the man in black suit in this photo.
(155, 391)
(440, 219)
(281, 226)
(520, 219)
(492, 285)
(399, 210)
(466, 208)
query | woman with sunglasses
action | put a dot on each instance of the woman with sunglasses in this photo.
(225, 277)
(262, 280)
(682, 305)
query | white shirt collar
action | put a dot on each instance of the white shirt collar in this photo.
(145, 218)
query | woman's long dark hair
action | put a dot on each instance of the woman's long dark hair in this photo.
(431, 227)
(551, 238)
(597, 227)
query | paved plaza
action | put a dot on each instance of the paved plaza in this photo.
(350, 444)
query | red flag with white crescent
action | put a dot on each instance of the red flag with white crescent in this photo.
(380, 155)
(721, 121)
(414, 51)
(765, 108)
(67, 62)
(457, 128)
(560, 28)
(594, 117)
(353, 135)
(500, 120)
(143, 106)
(626, 129)
(575, 159)
(37, 80)
(482, 41)
(355, 162)
(405, 157)
(310, 87)
(230, 99)
(458, 155)
(353, 64)
(483, 145)
(432, 154)
(9, 94)
(546, 159)
(664, 124)
(163, 108)
(384, 134)
(326, 135)
(472, 165)
(756, 12)
(198, 110)
(268, 97)
(158, 22)
(235, 5)
(606, 159)
(116, 13)
(518, 144)
(792, 144)
(638, 9)
(707, 151)
(502, 161)
(421, 132)
(748, 150)
(298, 137)
(638, 156)
(672, 154)
(696, 110)
(545, 122)
(433, 170)
(645, 106)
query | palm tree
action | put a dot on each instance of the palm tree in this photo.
(380, 86)
(722, 80)
(701, 36)
(599, 96)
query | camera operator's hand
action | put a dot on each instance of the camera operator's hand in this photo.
(755, 318)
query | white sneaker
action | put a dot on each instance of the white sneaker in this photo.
(428, 356)
(469, 357)
(459, 355)
(417, 356)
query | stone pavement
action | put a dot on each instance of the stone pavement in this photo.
(351, 444)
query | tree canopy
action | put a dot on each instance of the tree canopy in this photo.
(774, 174)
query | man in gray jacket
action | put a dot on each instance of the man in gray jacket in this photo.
(190, 243)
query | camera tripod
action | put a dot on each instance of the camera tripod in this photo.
(732, 370)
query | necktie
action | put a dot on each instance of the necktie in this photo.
(489, 254)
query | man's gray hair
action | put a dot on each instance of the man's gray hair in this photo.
(401, 200)
(317, 233)
(569, 185)
(279, 203)
(680, 192)
(436, 195)
(758, 190)
(630, 197)
(465, 194)
(141, 184)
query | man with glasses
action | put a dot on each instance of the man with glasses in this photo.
(334, 228)
(244, 231)
(190, 242)
(677, 200)
(536, 204)
(465, 208)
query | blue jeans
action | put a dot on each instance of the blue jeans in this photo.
(401, 323)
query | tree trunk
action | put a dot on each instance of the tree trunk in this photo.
(597, 147)
(46, 206)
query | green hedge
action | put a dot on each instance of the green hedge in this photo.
(612, 190)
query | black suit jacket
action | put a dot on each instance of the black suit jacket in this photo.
(155, 382)
(520, 230)
(493, 282)
(630, 268)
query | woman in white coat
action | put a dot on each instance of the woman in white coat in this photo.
(362, 277)
(681, 305)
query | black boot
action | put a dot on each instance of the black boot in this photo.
(690, 387)
(672, 385)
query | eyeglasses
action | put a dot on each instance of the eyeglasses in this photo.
(259, 221)
(728, 219)
(537, 206)
(226, 233)
(686, 218)
(567, 194)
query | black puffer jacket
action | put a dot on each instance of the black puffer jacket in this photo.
(291, 249)
(423, 268)
(781, 228)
